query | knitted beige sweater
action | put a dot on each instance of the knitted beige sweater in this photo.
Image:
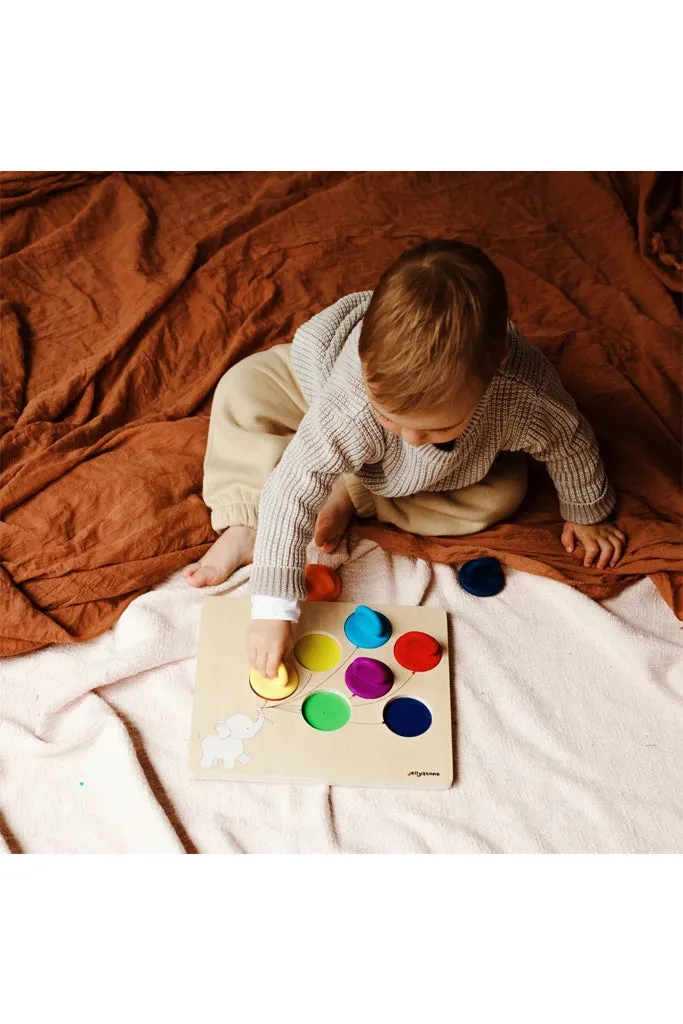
(525, 408)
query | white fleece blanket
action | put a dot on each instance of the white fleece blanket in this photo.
(568, 726)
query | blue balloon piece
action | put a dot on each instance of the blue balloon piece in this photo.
(367, 628)
(406, 716)
(482, 577)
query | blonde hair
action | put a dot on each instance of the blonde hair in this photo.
(436, 319)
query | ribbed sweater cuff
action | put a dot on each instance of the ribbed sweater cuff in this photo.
(587, 515)
(278, 581)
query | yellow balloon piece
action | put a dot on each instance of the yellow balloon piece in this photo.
(318, 652)
(283, 685)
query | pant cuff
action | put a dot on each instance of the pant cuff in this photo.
(238, 514)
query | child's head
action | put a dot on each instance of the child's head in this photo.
(432, 338)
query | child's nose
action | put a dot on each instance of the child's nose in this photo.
(413, 437)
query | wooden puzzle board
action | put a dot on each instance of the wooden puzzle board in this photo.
(364, 752)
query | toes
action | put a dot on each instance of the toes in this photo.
(328, 533)
(327, 540)
(201, 576)
(210, 576)
(323, 535)
(322, 523)
(194, 580)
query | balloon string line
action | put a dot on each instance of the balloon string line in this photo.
(389, 695)
(334, 671)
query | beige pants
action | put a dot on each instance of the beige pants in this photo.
(256, 410)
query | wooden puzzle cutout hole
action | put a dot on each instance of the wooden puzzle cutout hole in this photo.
(326, 710)
(318, 652)
(406, 716)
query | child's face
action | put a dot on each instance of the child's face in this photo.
(435, 426)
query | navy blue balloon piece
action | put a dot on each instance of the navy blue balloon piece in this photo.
(406, 716)
(482, 577)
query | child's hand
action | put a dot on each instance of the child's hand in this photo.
(603, 539)
(269, 641)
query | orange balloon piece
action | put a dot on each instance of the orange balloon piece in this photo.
(322, 584)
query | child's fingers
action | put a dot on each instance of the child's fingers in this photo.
(259, 659)
(568, 537)
(273, 660)
(618, 550)
(606, 552)
(620, 534)
(592, 549)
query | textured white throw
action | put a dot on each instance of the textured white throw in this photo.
(569, 728)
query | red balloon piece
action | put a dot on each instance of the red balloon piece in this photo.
(322, 583)
(418, 652)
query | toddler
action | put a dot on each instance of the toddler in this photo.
(413, 404)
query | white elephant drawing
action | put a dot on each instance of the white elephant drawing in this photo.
(227, 745)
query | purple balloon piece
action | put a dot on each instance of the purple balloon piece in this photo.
(369, 678)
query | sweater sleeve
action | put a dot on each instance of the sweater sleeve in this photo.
(327, 444)
(561, 436)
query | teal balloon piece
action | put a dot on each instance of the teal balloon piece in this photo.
(367, 628)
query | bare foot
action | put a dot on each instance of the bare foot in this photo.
(233, 549)
(333, 518)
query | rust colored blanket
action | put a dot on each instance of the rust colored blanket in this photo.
(126, 296)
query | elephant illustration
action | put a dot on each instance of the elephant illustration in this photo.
(227, 745)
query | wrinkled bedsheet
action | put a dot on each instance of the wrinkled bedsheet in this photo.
(126, 296)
